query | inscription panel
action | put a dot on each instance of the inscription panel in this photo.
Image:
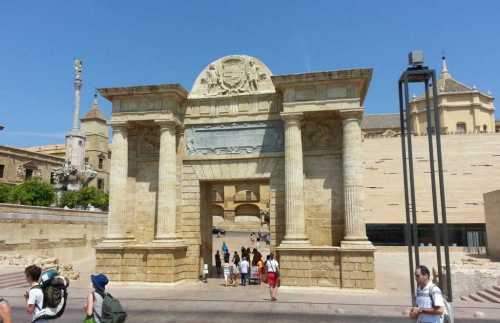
(235, 138)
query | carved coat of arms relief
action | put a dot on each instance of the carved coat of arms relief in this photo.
(233, 75)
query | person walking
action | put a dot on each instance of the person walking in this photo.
(5, 312)
(226, 256)
(429, 299)
(235, 274)
(236, 259)
(34, 295)
(245, 269)
(93, 306)
(225, 248)
(227, 273)
(218, 263)
(272, 268)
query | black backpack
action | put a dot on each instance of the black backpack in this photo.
(55, 296)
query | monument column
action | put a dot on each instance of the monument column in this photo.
(294, 180)
(167, 181)
(352, 167)
(118, 183)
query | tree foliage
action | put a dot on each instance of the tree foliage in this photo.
(33, 192)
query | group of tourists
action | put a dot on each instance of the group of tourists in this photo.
(47, 296)
(250, 267)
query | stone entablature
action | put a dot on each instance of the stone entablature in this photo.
(238, 124)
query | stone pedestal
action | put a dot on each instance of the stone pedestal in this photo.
(326, 266)
(144, 263)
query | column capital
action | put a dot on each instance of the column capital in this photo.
(166, 123)
(119, 125)
(351, 115)
(292, 117)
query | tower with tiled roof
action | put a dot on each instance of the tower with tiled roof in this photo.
(95, 129)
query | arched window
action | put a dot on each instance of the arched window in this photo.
(247, 213)
(461, 127)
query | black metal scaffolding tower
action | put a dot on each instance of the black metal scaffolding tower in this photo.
(422, 74)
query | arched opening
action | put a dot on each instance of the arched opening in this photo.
(247, 213)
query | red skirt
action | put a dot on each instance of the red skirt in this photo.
(272, 279)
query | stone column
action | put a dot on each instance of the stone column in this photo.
(167, 181)
(294, 180)
(352, 166)
(118, 183)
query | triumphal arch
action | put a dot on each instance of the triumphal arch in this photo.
(298, 133)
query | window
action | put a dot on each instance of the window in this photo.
(101, 163)
(86, 160)
(2, 169)
(28, 174)
(52, 179)
(485, 128)
(461, 127)
(109, 154)
(100, 183)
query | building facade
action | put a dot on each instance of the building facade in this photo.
(300, 134)
(463, 109)
(18, 165)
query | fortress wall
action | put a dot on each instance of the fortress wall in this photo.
(471, 168)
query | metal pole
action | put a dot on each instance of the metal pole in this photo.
(441, 190)
(437, 236)
(410, 166)
(408, 239)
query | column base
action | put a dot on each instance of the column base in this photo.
(117, 240)
(357, 244)
(168, 242)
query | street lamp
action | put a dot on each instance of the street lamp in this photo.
(418, 73)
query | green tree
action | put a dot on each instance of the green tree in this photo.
(5, 190)
(33, 192)
(93, 196)
(69, 199)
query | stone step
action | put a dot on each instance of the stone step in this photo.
(490, 297)
(493, 291)
(477, 298)
(16, 279)
(497, 288)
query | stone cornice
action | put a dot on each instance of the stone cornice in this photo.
(124, 117)
(175, 91)
(364, 75)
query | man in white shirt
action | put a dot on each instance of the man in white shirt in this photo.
(245, 266)
(34, 296)
(429, 299)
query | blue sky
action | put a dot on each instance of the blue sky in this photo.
(149, 42)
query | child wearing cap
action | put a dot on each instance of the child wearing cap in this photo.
(93, 307)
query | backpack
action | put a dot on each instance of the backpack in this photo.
(112, 310)
(55, 295)
(448, 316)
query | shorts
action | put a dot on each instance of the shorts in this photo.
(272, 279)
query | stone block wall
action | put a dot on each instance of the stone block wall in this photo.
(357, 269)
(471, 168)
(327, 267)
(66, 234)
(147, 264)
(492, 211)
